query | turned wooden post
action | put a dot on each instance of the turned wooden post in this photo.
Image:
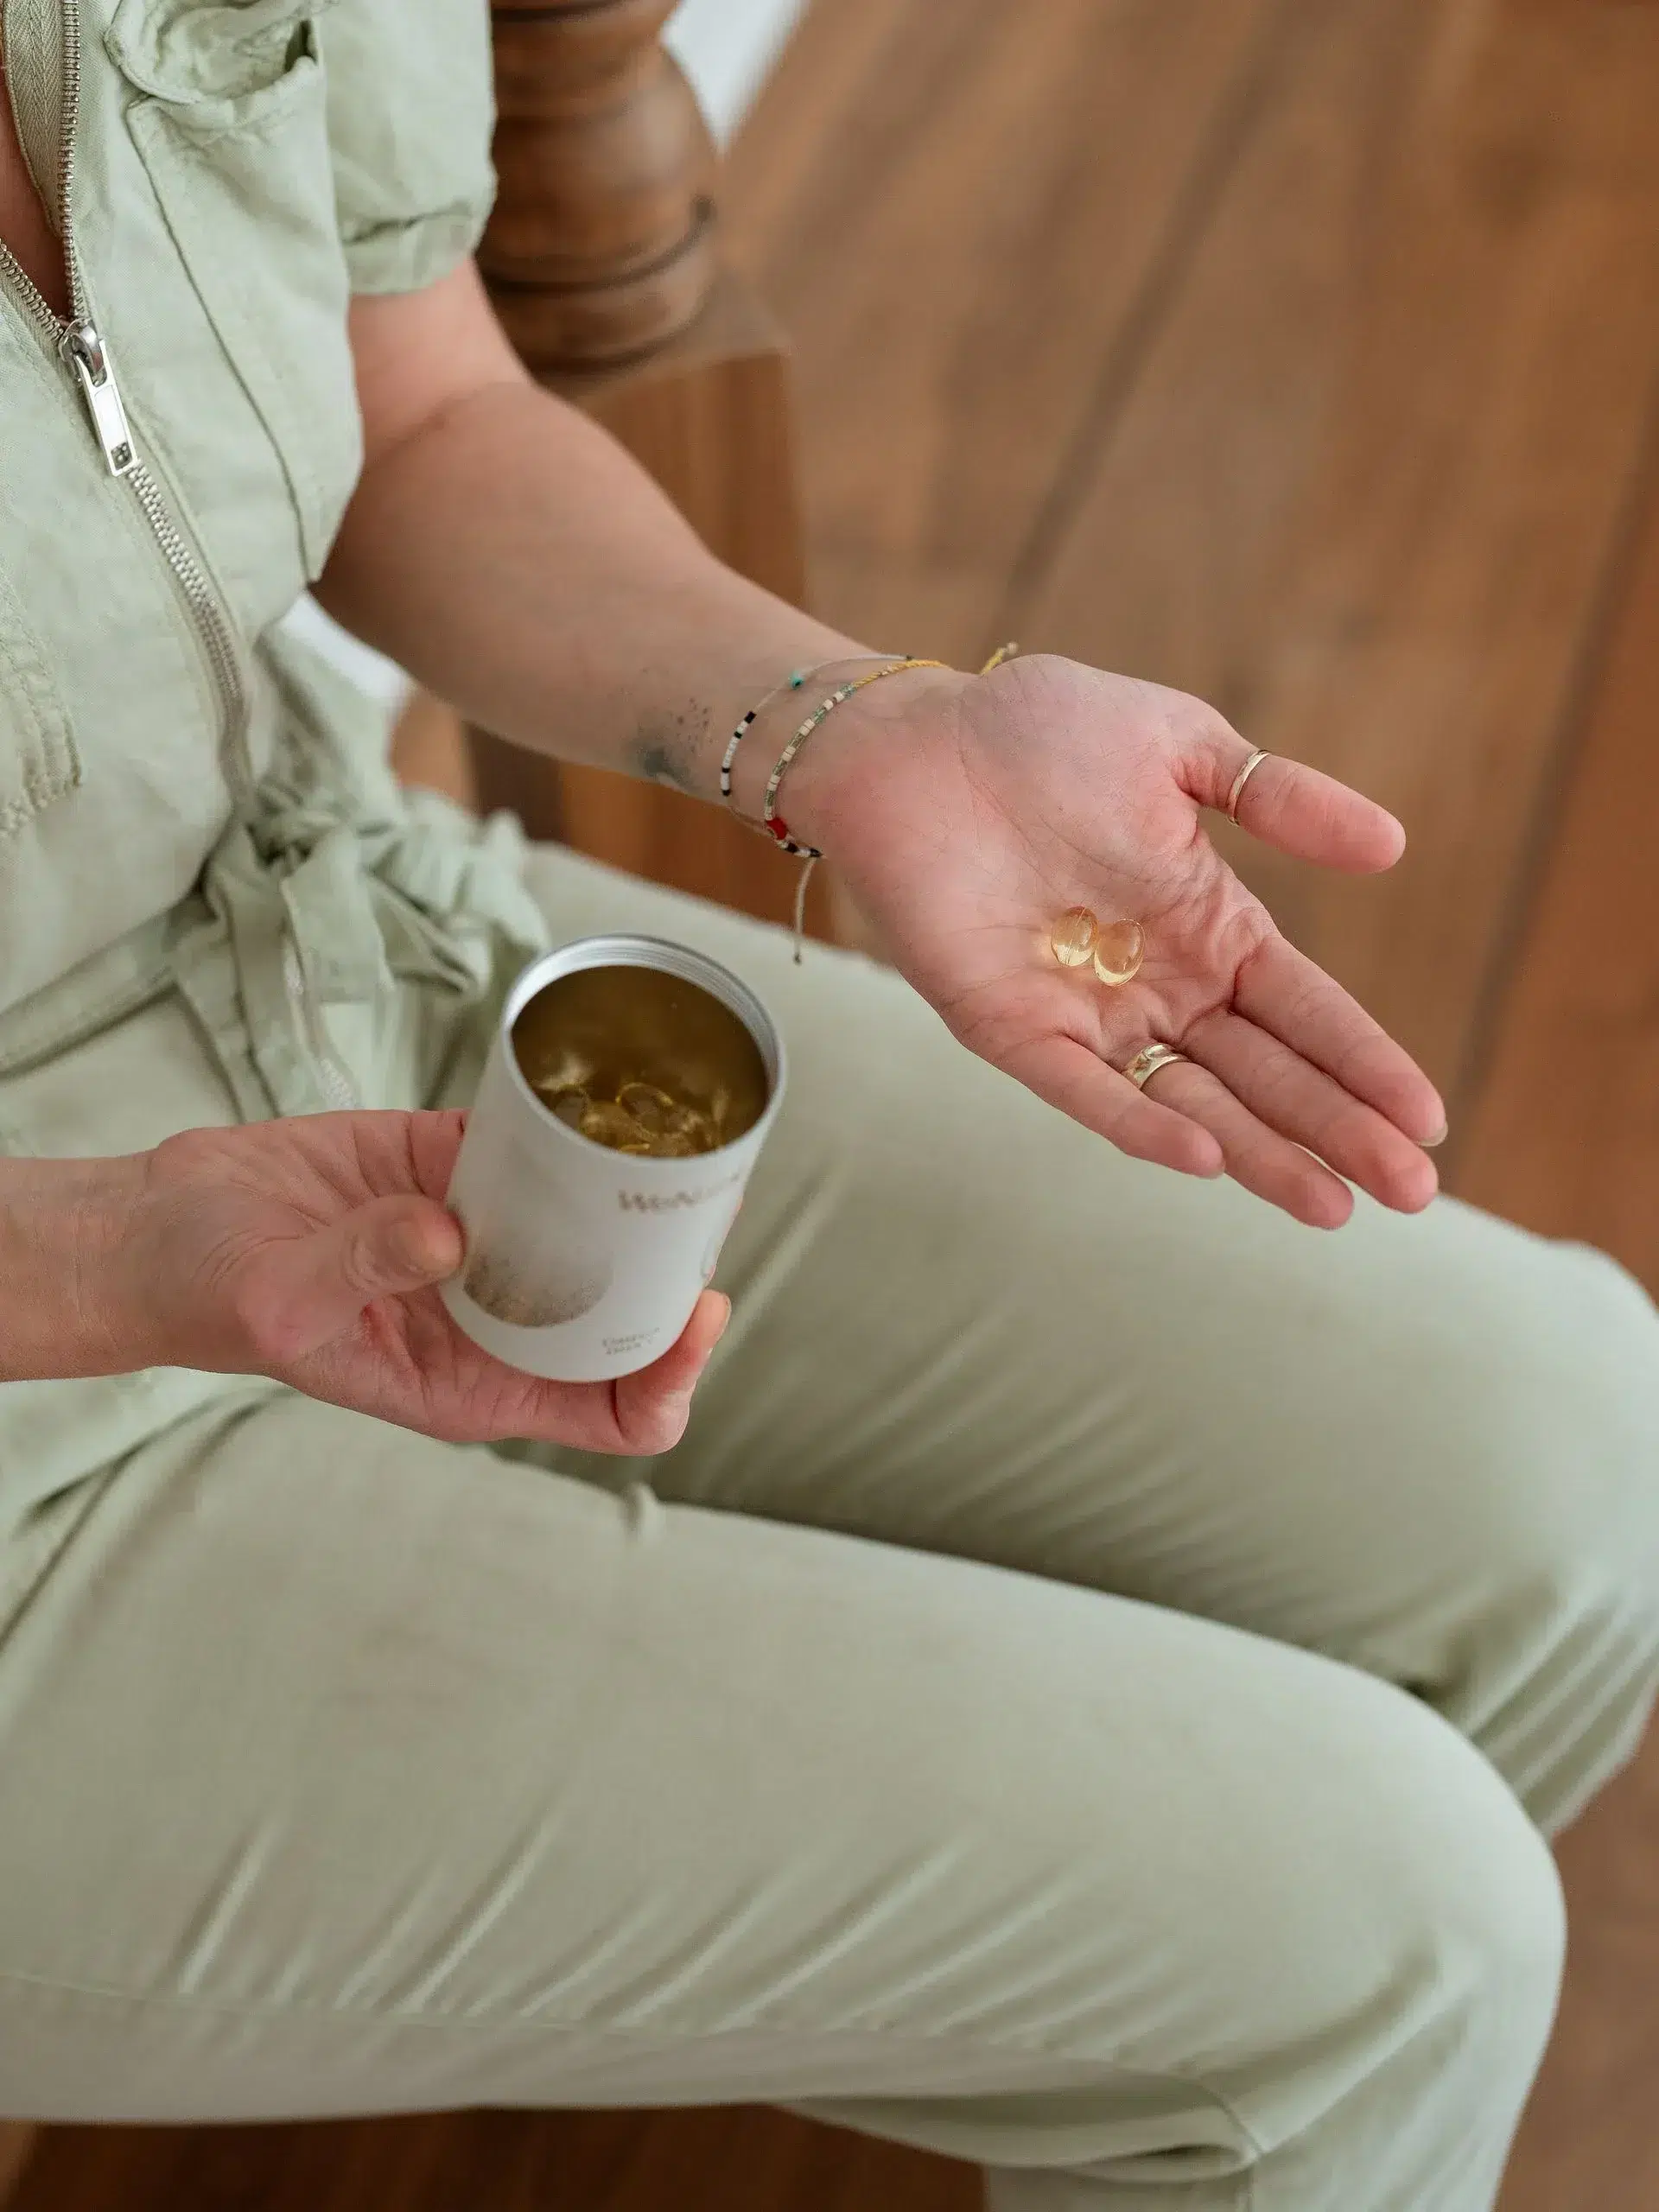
(602, 258)
(602, 246)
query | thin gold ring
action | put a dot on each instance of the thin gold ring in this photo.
(1147, 1061)
(1239, 781)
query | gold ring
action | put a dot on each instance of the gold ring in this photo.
(1239, 781)
(1147, 1061)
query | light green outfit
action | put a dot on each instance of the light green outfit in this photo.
(1072, 1699)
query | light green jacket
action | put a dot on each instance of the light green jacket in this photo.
(214, 904)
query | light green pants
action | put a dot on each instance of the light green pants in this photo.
(1030, 1715)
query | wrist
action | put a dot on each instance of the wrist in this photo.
(839, 773)
(65, 1308)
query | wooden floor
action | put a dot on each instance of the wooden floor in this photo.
(1304, 353)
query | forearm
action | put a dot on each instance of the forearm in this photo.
(517, 563)
(61, 1313)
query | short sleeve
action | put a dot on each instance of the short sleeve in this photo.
(410, 113)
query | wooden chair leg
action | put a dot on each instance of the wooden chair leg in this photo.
(16, 2141)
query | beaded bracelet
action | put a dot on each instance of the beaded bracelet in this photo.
(771, 821)
(792, 681)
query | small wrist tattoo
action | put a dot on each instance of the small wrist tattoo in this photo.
(665, 752)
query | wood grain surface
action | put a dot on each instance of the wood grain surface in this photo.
(739, 2158)
(1563, 1133)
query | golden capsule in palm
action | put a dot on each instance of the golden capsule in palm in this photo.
(1119, 949)
(1073, 938)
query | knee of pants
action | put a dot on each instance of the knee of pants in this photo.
(1550, 1647)
(1423, 1936)
(1354, 1999)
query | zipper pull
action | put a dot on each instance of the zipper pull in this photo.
(95, 372)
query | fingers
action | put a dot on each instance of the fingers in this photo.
(1257, 1157)
(1297, 810)
(654, 1406)
(1292, 997)
(1081, 1084)
(470, 1397)
(1292, 1105)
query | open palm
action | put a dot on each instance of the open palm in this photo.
(309, 1249)
(999, 801)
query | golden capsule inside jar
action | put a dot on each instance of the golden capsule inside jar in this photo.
(1118, 950)
(1073, 938)
(636, 1060)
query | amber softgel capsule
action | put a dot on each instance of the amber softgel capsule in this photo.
(1118, 950)
(1073, 938)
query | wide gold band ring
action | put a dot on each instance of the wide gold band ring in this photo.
(1239, 781)
(1147, 1061)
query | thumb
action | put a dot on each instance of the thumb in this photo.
(388, 1246)
(384, 1248)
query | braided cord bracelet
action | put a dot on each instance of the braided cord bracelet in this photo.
(771, 821)
(792, 681)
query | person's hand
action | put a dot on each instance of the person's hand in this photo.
(967, 814)
(308, 1250)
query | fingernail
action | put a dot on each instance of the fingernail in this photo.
(1430, 1143)
(725, 1324)
(415, 1248)
(409, 1252)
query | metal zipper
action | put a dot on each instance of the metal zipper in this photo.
(78, 344)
